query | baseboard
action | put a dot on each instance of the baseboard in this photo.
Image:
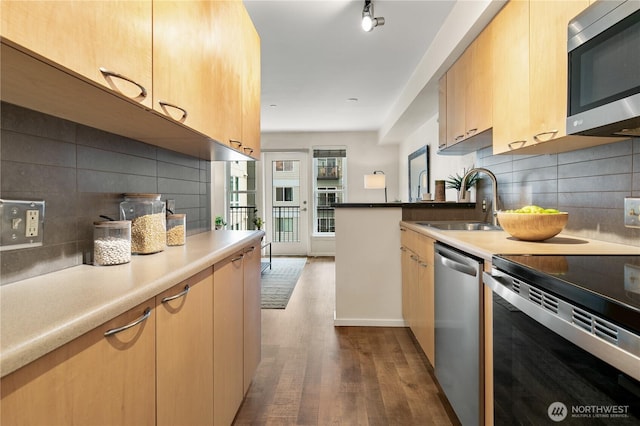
(368, 322)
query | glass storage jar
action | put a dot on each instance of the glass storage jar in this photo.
(111, 242)
(176, 229)
(148, 223)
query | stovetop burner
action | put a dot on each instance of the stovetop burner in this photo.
(608, 285)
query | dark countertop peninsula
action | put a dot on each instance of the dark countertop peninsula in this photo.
(416, 205)
(429, 210)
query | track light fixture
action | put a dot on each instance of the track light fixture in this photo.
(368, 20)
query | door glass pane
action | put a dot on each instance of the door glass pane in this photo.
(286, 200)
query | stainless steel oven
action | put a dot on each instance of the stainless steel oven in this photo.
(566, 339)
(604, 70)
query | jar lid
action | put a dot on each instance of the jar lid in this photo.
(141, 195)
(176, 216)
(113, 223)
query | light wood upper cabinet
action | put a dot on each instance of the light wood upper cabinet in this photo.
(479, 97)
(226, 72)
(511, 69)
(468, 96)
(442, 112)
(228, 340)
(548, 75)
(530, 65)
(456, 99)
(184, 55)
(92, 380)
(251, 88)
(185, 352)
(84, 36)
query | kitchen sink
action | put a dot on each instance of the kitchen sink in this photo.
(461, 226)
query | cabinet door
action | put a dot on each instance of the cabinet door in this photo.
(84, 36)
(479, 97)
(184, 85)
(228, 341)
(426, 298)
(456, 89)
(185, 352)
(250, 88)
(442, 112)
(225, 112)
(510, 46)
(548, 66)
(92, 380)
(252, 313)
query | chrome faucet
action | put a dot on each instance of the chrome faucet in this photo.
(494, 182)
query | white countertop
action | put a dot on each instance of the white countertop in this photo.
(485, 244)
(40, 314)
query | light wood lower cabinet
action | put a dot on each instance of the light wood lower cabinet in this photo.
(228, 340)
(418, 289)
(184, 352)
(92, 380)
(252, 313)
(188, 360)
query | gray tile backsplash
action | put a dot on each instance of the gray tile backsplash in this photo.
(82, 173)
(590, 184)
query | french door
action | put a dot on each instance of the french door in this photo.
(286, 201)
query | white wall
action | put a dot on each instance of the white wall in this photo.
(440, 166)
(364, 155)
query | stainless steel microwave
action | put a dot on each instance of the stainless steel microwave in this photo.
(604, 70)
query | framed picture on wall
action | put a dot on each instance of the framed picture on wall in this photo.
(418, 173)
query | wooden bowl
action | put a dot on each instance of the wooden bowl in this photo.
(533, 226)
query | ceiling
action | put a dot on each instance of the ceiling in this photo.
(316, 60)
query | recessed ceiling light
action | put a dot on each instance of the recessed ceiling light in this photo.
(273, 106)
(352, 99)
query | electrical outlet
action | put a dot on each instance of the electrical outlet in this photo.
(21, 224)
(632, 212)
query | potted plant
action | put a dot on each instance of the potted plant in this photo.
(220, 222)
(455, 182)
(258, 222)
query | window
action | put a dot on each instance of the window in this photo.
(242, 210)
(284, 166)
(284, 194)
(330, 166)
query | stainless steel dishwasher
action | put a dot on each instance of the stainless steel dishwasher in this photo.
(458, 286)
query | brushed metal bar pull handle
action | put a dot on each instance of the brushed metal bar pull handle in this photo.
(235, 142)
(423, 264)
(442, 146)
(472, 131)
(249, 250)
(145, 315)
(403, 249)
(177, 296)
(238, 258)
(512, 145)
(249, 150)
(108, 73)
(551, 132)
(167, 104)
(457, 138)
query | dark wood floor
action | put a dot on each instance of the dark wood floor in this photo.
(313, 373)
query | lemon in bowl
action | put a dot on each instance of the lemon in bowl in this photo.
(533, 223)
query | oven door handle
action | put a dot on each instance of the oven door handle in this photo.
(562, 325)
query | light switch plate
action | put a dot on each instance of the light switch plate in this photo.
(21, 224)
(632, 212)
